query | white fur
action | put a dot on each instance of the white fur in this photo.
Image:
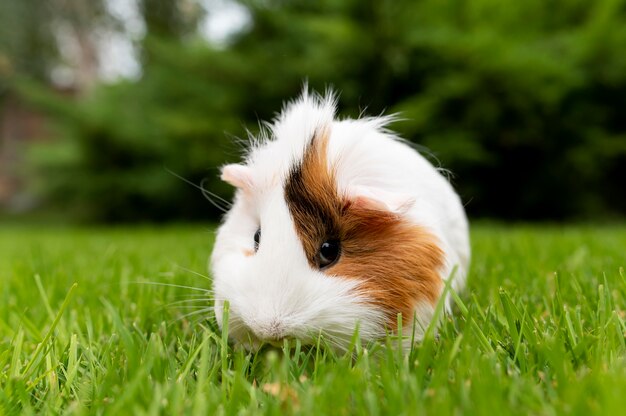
(275, 293)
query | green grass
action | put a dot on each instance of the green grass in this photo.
(541, 330)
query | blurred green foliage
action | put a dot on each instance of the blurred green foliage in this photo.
(27, 51)
(522, 101)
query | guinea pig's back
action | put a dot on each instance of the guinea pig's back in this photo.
(364, 155)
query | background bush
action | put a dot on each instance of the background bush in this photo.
(522, 101)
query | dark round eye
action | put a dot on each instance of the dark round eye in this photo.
(257, 239)
(329, 253)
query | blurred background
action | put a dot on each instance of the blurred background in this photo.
(525, 102)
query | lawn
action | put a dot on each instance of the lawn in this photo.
(540, 330)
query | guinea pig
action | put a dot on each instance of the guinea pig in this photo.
(337, 226)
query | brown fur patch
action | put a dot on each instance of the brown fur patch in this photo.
(312, 198)
(396, 260)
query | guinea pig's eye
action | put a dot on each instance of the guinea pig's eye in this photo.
(329, 253)
(257, 239)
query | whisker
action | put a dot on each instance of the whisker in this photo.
(205, 310)
(192, 296)
(214, 199)
(172, 285)
(193, 272)
(208, 193)
(192, 302)
(186, 307)
(178, 302)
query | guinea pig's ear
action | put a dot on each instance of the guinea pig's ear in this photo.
(239, 176)
(380, 200)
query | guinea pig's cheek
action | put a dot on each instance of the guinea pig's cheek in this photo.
(394, 277)
(237, 330)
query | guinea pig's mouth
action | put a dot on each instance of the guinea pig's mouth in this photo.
(277, 338)
(253, 343)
